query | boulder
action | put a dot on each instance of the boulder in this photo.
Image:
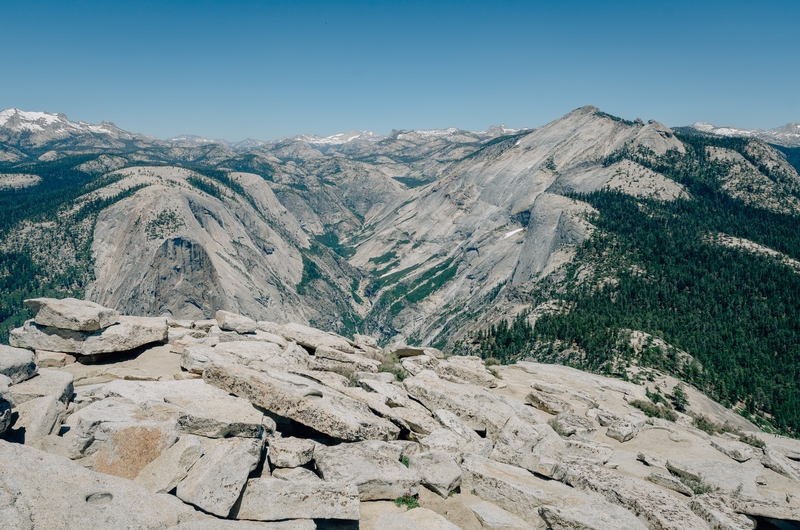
(670, 482)
(475, 406)
(416, 365)
(536, 448)
(47, 382)
(53, 359)
(395, 395)
(573, 426)
(738, 451)
(597, 452)
(718, 515)
(17, 363)
(214, 482)
(247, 351)
(444, 440)
(195, 358)
(437, 470)
(312, 338)
(331, 359)
(603, 417)
(467, 370)
(6, 402)
(515, 490)
(548, 403)
(228, 321)
(271, 499)
(290, 452)
(595, 516)
(212, 523)
(417, 417)
(383, 377)
(493, 517)
(403, 350)
(39, 490)
(622, 430)
(204, 410)
(117, 437)
(170, 467)
(304, 401)
(36, 418)
(757, 507)
(129, 333)
(655, 507)
(415, 519)
(724, 475)
(373, 466)
(293, 473)
(776, 461)
(71, 313)
(365, 340)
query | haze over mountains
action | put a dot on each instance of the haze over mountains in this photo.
(428, 237)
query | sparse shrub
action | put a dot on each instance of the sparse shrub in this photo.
(392, 365)
(408, 500)
(679, 398)
(651, 410)
(699, 487)
(474, 491)
(491, 361)
(752, 439)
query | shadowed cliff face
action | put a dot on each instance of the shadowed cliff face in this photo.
(184, 266)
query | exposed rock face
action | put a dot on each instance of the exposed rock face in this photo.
(373, 466)
(127, 334)
(39, 490)
(297, 443)
(70, 313)
(16, 363)
(318, 407)
(269, 499)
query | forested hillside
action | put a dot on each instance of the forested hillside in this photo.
(656, 268)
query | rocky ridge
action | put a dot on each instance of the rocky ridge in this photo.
(244, 424)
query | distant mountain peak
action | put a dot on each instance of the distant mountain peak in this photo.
(787, 135)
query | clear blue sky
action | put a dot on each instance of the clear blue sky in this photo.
(267, 69)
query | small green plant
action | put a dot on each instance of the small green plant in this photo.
(392, 365)
(699, 487)
(491, 361)
(453, 492)
(751, 439)
(408, 500)
(404, 460)
(651, 410)
(474, 491)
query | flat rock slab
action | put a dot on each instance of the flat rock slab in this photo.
(214, 483)
(293, 474)
(492, 517)
(170, 467)
(36, 419)
(415, 519)
(536, 448)
(228, 321)
(290, 452)
(655, 507)
(574, 426)
(331, 358)
(468, 370)
(71, 313)
(515, 490)
(39, 490)
(312, 338)
(304, 401)
(47, 382)
(374, 467)
(117, 437)
(395, 395)
(17, 363)
(717, 514)
(670, 482)
(595, 516)
(475, 406)
(128, 334)
(204, 410)
(271, 499)
(548, 403)
(739, 451)
(225, 524)
(437, 470)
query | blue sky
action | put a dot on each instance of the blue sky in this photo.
(268, 69)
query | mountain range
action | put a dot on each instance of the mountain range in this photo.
(565, 242)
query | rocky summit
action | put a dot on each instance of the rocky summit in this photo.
(114, 421)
